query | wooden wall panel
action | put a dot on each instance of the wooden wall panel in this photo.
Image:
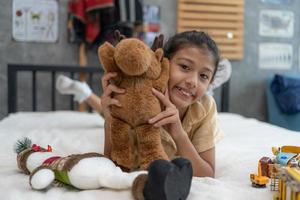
(221, 19)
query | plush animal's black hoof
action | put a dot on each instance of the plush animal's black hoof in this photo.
(168, 180)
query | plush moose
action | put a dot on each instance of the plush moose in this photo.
(135, 143)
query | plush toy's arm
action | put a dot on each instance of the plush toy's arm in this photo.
(162, 82)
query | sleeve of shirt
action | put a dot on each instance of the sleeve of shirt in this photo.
(207, 132)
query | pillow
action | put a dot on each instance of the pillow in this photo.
(286, 90)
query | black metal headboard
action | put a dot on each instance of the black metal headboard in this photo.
(225, 89)
(14, 69)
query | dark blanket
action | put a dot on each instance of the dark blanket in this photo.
(286, 91)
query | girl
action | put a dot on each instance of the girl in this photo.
(189, 120)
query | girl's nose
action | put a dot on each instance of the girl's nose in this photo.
(191, 81)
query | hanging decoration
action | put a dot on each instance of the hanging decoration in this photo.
(94, 21)
(151, 22)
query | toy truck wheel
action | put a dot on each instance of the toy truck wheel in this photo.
(258, 185)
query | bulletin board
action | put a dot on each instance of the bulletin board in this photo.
(221, 19)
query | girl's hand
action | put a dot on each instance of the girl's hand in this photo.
(169, 118)
(108, 89)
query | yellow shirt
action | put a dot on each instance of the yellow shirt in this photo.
(201, 125)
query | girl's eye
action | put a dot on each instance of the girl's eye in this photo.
(185, 67)
(204, 76)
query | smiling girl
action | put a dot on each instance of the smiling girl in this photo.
(189, 120)
(190, 116)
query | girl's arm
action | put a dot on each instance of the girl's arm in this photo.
(204, 163)
(95, 102)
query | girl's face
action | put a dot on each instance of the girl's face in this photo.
(191, 70)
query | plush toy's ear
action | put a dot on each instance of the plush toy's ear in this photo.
(159, 54)
(155, 67)
(106, 57)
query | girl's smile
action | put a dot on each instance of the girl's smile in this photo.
(185, 93)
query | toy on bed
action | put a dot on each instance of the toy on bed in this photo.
(287, 156)
(82, 171)
(135, 142)
(288, 183)
(164, 180)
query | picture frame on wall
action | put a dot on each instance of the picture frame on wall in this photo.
(275, 56)
(35, 20)
(276, 23)
(278, 2)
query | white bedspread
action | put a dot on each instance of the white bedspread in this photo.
(245, 142)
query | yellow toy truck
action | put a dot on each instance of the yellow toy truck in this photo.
(261, 179)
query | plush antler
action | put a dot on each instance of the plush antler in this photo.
(158, 42)
(118, 36)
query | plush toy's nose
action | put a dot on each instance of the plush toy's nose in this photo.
(133, 57)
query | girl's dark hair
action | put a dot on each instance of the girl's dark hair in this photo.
(198, 39)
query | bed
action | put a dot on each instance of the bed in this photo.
(246, 141)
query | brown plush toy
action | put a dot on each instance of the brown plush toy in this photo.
(135, 143)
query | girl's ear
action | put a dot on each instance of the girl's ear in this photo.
(159, 54)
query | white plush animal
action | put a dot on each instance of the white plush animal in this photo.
(82, 171)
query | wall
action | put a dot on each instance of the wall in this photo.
(247, 95)
(248, 81)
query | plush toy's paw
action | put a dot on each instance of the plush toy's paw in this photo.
(41, 178)
(138, 186)
(168, 180)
